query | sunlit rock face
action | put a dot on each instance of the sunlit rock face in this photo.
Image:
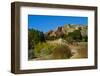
(64, 30)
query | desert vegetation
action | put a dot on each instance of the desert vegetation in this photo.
(66, 42)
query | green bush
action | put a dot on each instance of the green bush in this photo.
(31, 54)
(85, 39)
(75, 35)
(43, 49)
(34, 37)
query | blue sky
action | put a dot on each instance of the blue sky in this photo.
(45, 23)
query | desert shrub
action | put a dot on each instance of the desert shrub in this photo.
(31, 54)
(55, 51)
(51, 37)
(84, 38)
(69, 40)
(75, 36)
(43, 49)
(61, 52)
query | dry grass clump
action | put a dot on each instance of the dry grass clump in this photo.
(61, 52)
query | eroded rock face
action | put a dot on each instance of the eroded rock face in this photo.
(58, 32)
(64, 30)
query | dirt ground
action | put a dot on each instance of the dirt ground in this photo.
(79, 51)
